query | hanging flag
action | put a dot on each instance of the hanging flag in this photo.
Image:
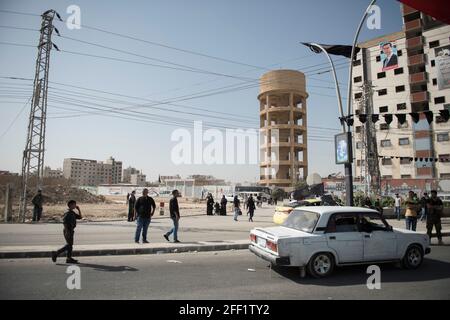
(445, 114)
(415, 116)
(375, 118)
(340, 50)
(401, 117)
(362, 118)
(429, 116)
(388, 118)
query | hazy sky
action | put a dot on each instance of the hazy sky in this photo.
(260, 35)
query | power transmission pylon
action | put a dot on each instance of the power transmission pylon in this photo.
(33, 155)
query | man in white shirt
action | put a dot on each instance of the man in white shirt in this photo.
(398, 204)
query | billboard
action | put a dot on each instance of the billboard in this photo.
(343, 148)
(442, 60)
(388, 55)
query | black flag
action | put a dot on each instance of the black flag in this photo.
(415, 116)
(429, 116)
(388, 118)
(401, 118)
(362, 118)
(340, 50)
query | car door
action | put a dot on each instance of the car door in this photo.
(344, 237)
(380, 243)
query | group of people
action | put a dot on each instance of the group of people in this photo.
(143, 209)
(221, 209)
(429, 208)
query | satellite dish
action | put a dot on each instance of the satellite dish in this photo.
(313, 179)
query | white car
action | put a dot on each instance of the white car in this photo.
(319, 238)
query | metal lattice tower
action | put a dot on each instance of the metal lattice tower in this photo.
(33, 155)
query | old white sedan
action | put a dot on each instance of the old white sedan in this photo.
(319, 238)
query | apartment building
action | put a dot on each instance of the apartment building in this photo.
(399, 74)
(85, 172)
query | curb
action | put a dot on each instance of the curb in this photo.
(127, 251)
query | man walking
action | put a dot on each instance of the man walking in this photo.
(175, 216)
(412, 206)
(398, 204)
(251, 208)
(37, 202)
(145, 208)
(236, 204)
(131, 203)
(70, 222)
(435, 207)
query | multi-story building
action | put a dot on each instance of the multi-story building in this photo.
(398, 75)
(84, 172)
(126, 177)
(52, 173)
(138, 179)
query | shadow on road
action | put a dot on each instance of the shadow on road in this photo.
(100, 267)
(356, 275)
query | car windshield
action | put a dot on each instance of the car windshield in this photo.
(302, 220)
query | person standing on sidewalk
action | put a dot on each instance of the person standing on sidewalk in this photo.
(175, 216)
(398, 205)
(209, 205)
(37, 202)
(145, 208)
(237, 209)
(131, 202)
(424, 205)
(70, 222)
(223, 206)
(412, 206)
(435, 207)
(251, 207)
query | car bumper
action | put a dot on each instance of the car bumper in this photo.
(279, 261)
(427, 250)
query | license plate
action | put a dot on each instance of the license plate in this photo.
(261, 242)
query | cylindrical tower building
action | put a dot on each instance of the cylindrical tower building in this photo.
(283, 126)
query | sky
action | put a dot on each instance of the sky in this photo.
(203, 57)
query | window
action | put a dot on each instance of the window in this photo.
(434, 82)
(438, 100)
(386, 143)
(444, 156)
(403, 141)
(360, 163)
(302, 220)
(399, 54)
(372, 222)
(384, 126)
(382, 92)
(384, 109)
(358, 95)
(381, 75)
(442, 137)
(357, 79)
(434, 44)
(398, 71)
(386, 177)
(401, 106)
(358, 129)
(403, 126)
(445, 176)
(345, 222)
(399, 88)
(406, 176)
(440, 119)
(386, 161)
(405, 161)
(356, 63)
(432, 63)
(378, 58)
(359, 145)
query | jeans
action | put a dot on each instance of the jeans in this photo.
(423, 216)
(174, 230)
(236, 213)
(142, 225)
(68, 235)
(397, 212)
(37, 212)
(411, 223)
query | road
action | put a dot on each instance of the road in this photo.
(216, 275)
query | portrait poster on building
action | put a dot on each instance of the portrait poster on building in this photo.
(443, 67)
(389, 57)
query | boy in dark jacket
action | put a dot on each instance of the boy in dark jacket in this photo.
(174, 215)
(70, 222)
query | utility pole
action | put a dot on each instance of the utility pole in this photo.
(33, 155)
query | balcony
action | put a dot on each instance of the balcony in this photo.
(413, 25)
(406, 10)
(420, 97)
(418, 78)
(415, 42)
(418, 59)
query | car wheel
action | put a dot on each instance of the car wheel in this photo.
(413, 257)
(321, 265)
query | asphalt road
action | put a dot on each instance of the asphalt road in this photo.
(216, 275)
